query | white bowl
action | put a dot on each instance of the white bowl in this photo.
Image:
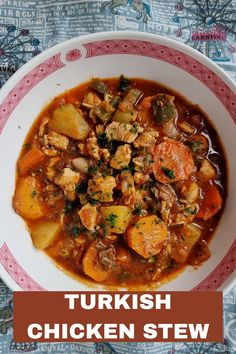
(107, 55)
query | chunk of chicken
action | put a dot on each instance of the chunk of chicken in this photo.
(105, 154)
(43, 126)
(99, 129)
(101, 188)
(190, 192)
(127, 186)
(82, 149)
(147, 138)
(121, 158)
(143, 162)
(88, 216)
(140, 178)
(123, 132)
(67, 180)
(93, 147)
(91, 100)
(51, 171)
(56, 140)
(50, 151)
(207, 170)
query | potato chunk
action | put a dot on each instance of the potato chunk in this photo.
(25, 200)
(207, 170)
(147, 236)
(190, 191)
(69, 121)
(116, 218)
(182, 246)
(92, 265)
(44, 233)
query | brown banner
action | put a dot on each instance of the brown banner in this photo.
(118, 316)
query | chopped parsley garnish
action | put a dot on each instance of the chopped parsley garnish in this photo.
(112, 220)
(92, 201)
(134, 130)
(149, 159)
(69, 207)
(169, 173)
(129, 168)
(33, 194)
(152, 259)
(137, 210)
(81, 188)
(102, 140)
(124, 276)
(92, 170)
(75, 231)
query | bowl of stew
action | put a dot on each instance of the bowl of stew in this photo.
(117, 154)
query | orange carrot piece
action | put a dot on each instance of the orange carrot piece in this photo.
(30, 160)
(210, 203)
(173, 161)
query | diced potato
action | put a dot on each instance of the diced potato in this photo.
(147, 236)
(92, 265)
(190, 191)
(116, 218)
(69, 121)
(207, 170)
(44, 233)
(124, 117)
(182, 246)
(25, 200)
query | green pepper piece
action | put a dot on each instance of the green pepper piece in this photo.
(163, 109)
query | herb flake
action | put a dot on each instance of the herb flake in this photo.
(169, 173)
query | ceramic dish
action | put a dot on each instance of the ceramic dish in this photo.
(110, 55)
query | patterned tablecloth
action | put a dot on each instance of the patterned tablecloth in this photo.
(29, 26)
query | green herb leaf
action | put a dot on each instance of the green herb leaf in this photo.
(129, 168)
(102, 140)
(137, 210)
(81, 188)
(112, 220)
(124, 276)
(34, 193)
(169, 173)
(134, 130)
(92, 170)
(190, 210)
(69, 207)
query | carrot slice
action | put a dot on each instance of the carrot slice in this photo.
(30, 160)
(173, 161)
(210, 203)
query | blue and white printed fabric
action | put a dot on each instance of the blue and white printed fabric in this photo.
(28, 27)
